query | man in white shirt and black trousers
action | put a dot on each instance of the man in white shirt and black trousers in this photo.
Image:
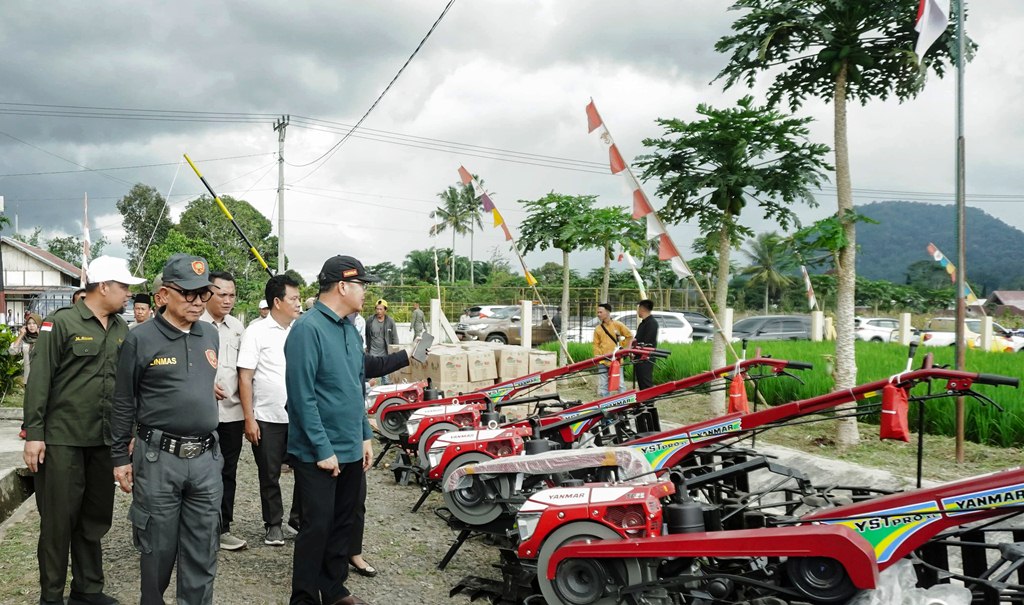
(261, 369)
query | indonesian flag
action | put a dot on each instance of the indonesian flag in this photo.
(932, 20)
(811, 301)
(86, 242)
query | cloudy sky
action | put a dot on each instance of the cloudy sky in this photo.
(500, 87)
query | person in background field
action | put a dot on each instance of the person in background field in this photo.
(417, 322)
(25, 342)
(309, 303)
(381, 331)
(67, 404)
(232, 420)
(10, 312)
(78, 295)
(164, 396)
(159, 300)
(265, 310)
(143, 308)
(261, 369)
(646, 336)
(608, 335)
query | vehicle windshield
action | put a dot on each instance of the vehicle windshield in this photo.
(504, 312)
(746, 325)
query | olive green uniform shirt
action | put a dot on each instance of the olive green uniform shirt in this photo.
(70, 390)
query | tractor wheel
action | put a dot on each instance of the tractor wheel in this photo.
(392, 425)
(822, 579)
(428, 437)
(473, 505)
(584, 581)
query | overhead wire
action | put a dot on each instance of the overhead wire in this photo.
(330, 152)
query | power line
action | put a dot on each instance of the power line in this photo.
(137, 166)
(330, 152)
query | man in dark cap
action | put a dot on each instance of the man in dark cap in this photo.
(67, 402)
(165, 380)
(142, 308)
(329, 437)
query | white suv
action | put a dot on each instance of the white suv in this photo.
(673, 327)
(874, 329)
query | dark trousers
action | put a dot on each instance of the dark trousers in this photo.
(320, 564)
(231, 434)
(644, 373)
(75, 498)
(269, 455)
(174, 516)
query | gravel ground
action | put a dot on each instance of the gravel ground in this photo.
(404, 546)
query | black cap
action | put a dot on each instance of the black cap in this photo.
(187, 272)
(344, 268)
(143, 297)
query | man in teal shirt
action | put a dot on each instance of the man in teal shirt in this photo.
(329, 436)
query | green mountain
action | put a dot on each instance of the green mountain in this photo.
(995, 250)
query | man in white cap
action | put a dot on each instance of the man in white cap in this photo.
(67, 403)
(264, 312)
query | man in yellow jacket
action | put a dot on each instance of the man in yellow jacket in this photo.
(608, 335)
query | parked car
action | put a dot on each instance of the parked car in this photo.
(482, 312)
(773, 327)
(874, 329)
(673, 327)
(703, 327)
(941, 332)
(505, 326)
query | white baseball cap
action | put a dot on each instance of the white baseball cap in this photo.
(264, 305)
(110, 268)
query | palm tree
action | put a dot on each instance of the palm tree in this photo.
(769, 261)
(459, 211)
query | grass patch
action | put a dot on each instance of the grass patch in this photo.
(875, 361)
(15, 398)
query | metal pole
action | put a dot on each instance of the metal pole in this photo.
(961, 230)
(280, 127)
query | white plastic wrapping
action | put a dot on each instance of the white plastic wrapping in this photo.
(631, 463)
(896, 587)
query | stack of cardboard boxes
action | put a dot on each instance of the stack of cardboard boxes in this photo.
(472, 366)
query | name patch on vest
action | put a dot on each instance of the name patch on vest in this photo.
(164, 361)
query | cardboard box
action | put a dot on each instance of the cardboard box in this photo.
(542, 361)
(513, 362)
(481, 364)
(447, 365)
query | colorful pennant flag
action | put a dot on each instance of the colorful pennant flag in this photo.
(940, 258)
(636, 273)
(932, 20)
(642, 208)
(812, 302)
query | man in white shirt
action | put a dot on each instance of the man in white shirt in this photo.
(231, 420)
(261, 367)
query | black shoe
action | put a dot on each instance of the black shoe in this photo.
(78, 598)
(43, 601)
(367, 572)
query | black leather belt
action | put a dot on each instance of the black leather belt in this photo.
(182, 447)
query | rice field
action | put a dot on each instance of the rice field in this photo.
(875, 361)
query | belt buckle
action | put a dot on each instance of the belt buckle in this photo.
(190, 450)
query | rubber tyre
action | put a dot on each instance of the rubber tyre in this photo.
(497, 338)
(469, 505)
(428, 437)
(625, 570)
(395, 425)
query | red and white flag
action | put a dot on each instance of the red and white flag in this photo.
(932, 20)
(811, 301)
(86, 242)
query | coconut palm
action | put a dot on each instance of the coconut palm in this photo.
(770, 260)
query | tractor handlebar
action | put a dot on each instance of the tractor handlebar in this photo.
(799, 365)
(998, 380)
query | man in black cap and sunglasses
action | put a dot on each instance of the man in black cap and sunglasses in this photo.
(164, 388)
(329, 437)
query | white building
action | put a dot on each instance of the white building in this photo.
(29, 272)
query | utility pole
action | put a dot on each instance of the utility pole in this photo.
(280, 126)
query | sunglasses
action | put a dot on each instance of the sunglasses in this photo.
(203, 294)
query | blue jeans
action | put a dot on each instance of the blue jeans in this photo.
(602, 382)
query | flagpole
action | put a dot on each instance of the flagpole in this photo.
(961, 229)
(86, 242)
